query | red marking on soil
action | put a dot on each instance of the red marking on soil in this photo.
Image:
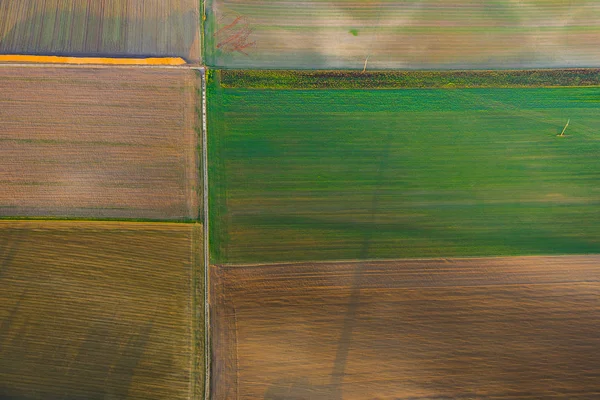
(234, 36)
(231, 25)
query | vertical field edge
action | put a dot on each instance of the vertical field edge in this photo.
(197, 314)
(200, 321)
(201, 28)
(206, 238)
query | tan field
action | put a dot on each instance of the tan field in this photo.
(488, 328)
(101, 27)
(402, 34)
(99, 142)
(98, 310)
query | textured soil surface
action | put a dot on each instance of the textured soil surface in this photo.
(98, 142)
(96, 310)
(501, 328)
(402, 34)
(101, 27)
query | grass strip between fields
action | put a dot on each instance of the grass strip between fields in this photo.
(280, 79)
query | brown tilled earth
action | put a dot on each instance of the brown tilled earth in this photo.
(96, 310)
(98, 142)
(501, 328)
(101, 27)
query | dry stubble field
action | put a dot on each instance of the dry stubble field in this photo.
(99, 142)
(101, 27)
(487, 328)
(402, 34)
(97, 310)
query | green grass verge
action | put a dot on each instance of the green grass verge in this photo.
(345, 174)
(253, 79)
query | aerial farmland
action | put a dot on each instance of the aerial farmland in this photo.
(416, 34)
(334, 174)
(476, 328)
(95, 308)
(86, 142)
(419, 181)
(103, 27)
(284, 200)
(98, 309)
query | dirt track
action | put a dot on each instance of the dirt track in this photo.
(502, 328)
(98, 142)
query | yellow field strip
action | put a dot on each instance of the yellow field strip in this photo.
(91, 60)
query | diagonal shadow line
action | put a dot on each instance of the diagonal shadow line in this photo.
(126, 365)
(341, 358)
(11, 251)
(474, 98)
(6, 323)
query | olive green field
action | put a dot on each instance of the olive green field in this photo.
(402, 173)
(324, 79)
(101, 310)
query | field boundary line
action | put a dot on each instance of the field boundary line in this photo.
(122, 223)
(206, 238)
(74, 60)
(343, 79)
(195, 315)
(102, 66)
(385, 260)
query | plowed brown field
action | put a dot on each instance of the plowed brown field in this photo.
(97, 310)
(99, 142)
(501, 328)
(101, 27)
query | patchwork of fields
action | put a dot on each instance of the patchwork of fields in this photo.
(497, 328)
(98, 310)
(419, 223)
(341, 34)
(364, 174)
(99, 143)
(101, 27)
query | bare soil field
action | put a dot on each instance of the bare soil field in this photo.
(483, 328)
(97, 310)
(101, 27)
(99, 142)
(402, 34)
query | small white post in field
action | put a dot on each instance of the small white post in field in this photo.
(565, 128)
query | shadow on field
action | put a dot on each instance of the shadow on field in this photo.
(301, 389)
(102, 367)
(467, 341)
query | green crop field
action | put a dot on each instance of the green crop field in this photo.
(363, 174)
